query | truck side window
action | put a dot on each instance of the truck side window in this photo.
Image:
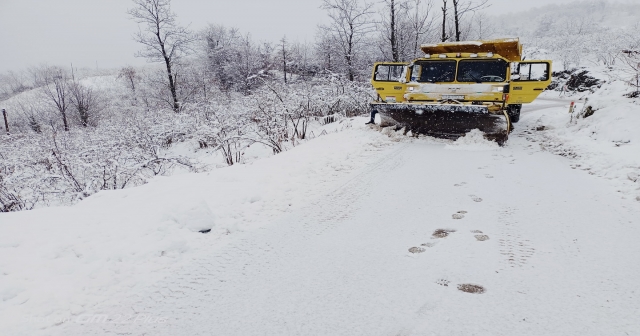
(382, 73)
(533, 72)
(539, 72)
(389, 73)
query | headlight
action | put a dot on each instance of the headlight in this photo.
(498, 89)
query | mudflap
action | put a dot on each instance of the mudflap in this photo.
(449, 121)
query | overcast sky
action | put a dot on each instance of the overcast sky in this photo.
(90, 33)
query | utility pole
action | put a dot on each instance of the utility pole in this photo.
(6, 123)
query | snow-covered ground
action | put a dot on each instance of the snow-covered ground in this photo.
(606, 144)
(358, 232)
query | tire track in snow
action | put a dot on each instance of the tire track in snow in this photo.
(184, 298)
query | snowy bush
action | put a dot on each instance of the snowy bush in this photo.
(120, 130)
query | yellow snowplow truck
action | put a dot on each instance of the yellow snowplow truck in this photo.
(459, 86)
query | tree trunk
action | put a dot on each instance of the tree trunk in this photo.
(64, 120)
(167, 62)
(6, 122)
(393, 39)
(172, 83)
(349, 57)
(284, 60)
(444, 21)
(456, 18)
(84, 115)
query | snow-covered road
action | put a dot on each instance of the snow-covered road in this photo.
(553, 251)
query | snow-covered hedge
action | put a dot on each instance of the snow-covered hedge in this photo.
(132, 139)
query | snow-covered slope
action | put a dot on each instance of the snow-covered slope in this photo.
(427, 237)
(62, 260)
(605, 144)
(139, 252)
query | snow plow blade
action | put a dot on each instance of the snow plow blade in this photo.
(449, 121)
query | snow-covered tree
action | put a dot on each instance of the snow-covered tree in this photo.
(163, 39)
(349, 28)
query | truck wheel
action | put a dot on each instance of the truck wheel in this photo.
(514, 112)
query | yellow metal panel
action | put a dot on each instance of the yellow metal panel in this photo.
(510, 49)
(535, 77)
(387, 82)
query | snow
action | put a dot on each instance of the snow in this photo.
(473, 141)
(605, 144)
(343, 235)
(383, 253)
(473, 43)
(64, 259)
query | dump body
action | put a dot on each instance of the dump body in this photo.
(459, 86)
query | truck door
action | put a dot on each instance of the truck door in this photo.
(528, 81)
(389, 81)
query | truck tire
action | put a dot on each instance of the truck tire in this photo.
(514, 112)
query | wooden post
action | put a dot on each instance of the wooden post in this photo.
(571, 108)
(6, 123)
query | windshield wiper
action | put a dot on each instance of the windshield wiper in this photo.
(478, 80)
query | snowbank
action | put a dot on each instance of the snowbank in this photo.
(473, 141)
(605, 144)
(55, 263)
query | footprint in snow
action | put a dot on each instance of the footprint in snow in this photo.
(476, 231)
(475, 198)
(471, 288)
(443, 282)
(460, 184)
(442, 233)
(416, 250)
(482, 237)
(488, 176)
(459, 215)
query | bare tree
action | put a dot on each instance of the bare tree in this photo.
(631, 66)
(56, 90)
(300, 61)
(350, 26)
(326, 51)
(248, 64)
(284, 55)
(163, 39)
(421, 22)
(222, 51)
(393, 33)
(461, 8)
(403, 25)
(131, 77)
(32, 114)
(85, 102)
(483, 26)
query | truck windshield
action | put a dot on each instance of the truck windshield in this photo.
(479, 71)
(436, 71)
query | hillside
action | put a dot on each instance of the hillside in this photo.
(254, 199)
